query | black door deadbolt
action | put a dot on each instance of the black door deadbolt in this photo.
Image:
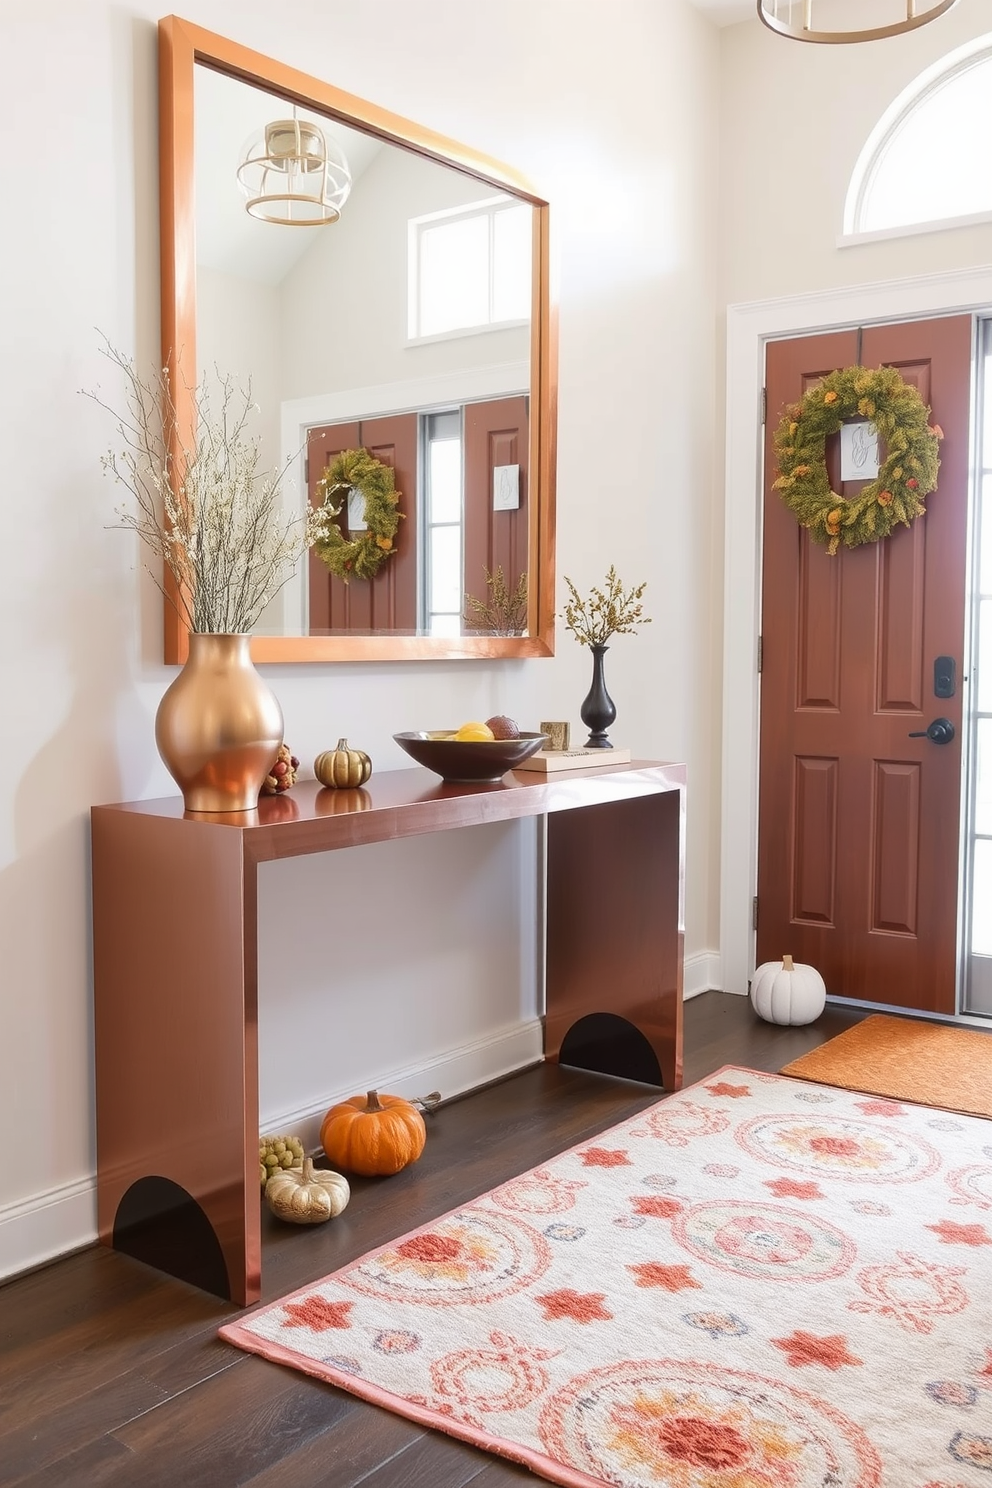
(943, 677)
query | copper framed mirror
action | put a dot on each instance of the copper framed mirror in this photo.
(334, 330)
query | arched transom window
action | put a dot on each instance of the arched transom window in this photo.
(928, 162)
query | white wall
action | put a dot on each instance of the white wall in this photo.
(611, 111)
(238, 335)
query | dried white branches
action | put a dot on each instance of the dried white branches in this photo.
(208, 513)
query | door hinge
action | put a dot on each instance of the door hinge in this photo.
(306, 470)
(754, 913)
(764, 405)
(761, 651)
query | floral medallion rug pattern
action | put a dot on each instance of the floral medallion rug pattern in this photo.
(756, 1283)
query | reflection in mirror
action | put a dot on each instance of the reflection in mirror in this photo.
(409, 319)
(406, 313)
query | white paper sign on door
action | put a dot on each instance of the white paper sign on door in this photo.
(506, 487)
(858, 451)
(356, 511)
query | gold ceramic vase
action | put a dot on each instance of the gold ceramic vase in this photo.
(219, 726)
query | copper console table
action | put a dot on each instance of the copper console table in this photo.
(175, 972)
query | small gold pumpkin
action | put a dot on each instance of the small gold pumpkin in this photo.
(342, 768)
(307, 1195)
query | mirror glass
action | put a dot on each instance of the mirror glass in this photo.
(416, 326)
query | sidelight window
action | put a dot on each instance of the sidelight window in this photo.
(443, 522)
(978, 865)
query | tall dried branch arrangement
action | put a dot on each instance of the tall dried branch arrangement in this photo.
(206, 511)
(503, 611)
(608, 611)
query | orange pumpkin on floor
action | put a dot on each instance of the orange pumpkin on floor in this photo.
(374, 1135)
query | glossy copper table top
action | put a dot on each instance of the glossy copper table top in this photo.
(400, 803)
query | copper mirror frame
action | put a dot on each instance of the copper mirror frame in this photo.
(183, 46)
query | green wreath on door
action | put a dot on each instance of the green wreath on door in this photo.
(361, 556)
(907, 474)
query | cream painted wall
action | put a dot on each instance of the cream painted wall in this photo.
(238, 334)
(611, 111)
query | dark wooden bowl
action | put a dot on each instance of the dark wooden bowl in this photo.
(468, 761)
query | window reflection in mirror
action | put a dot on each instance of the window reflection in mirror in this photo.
(403, 327)
(469, 268)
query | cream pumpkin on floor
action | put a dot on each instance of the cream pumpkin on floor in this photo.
(787, 991)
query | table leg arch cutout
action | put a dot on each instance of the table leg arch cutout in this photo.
(611, 1045)
(160, 1223)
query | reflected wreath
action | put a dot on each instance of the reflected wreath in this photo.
(363, 555)
(907, 474)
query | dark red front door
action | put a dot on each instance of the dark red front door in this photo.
(858, 832)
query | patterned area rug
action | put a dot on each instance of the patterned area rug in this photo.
(756, 1283)
(906, 1059)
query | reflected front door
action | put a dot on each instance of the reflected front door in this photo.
(388, 601)
(497, 534)
(859, 822)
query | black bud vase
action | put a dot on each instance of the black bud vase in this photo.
(598, 710)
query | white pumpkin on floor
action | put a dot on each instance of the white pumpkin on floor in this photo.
(786, 991)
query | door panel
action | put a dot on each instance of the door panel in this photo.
(818, 637)
(496, 433)
(858, 832)
(814, 874)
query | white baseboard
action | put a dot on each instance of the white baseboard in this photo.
(63, 1219)
(452, 1073)
(51, 1224)
(47, 1225)
(702, 974)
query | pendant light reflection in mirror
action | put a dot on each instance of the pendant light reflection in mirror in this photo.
(292, 174)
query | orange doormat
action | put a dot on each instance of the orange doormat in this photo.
(929, 1063)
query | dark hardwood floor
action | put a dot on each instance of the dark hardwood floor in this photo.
(111, 1373)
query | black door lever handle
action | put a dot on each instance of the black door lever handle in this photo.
(941, 731)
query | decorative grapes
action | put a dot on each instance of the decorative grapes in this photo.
(276, 1155)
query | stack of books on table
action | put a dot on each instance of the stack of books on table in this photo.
(547, 760)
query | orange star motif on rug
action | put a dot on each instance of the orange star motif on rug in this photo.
(605, 1157)
(582, 1307)
(657, 1207)
(317, 1314)
(802, 1348)
(880, 1108)
(734, 1092)
(952, 1233)
(794, 1188)
(669, 1278)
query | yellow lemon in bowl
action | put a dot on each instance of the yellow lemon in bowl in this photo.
(474, 732)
